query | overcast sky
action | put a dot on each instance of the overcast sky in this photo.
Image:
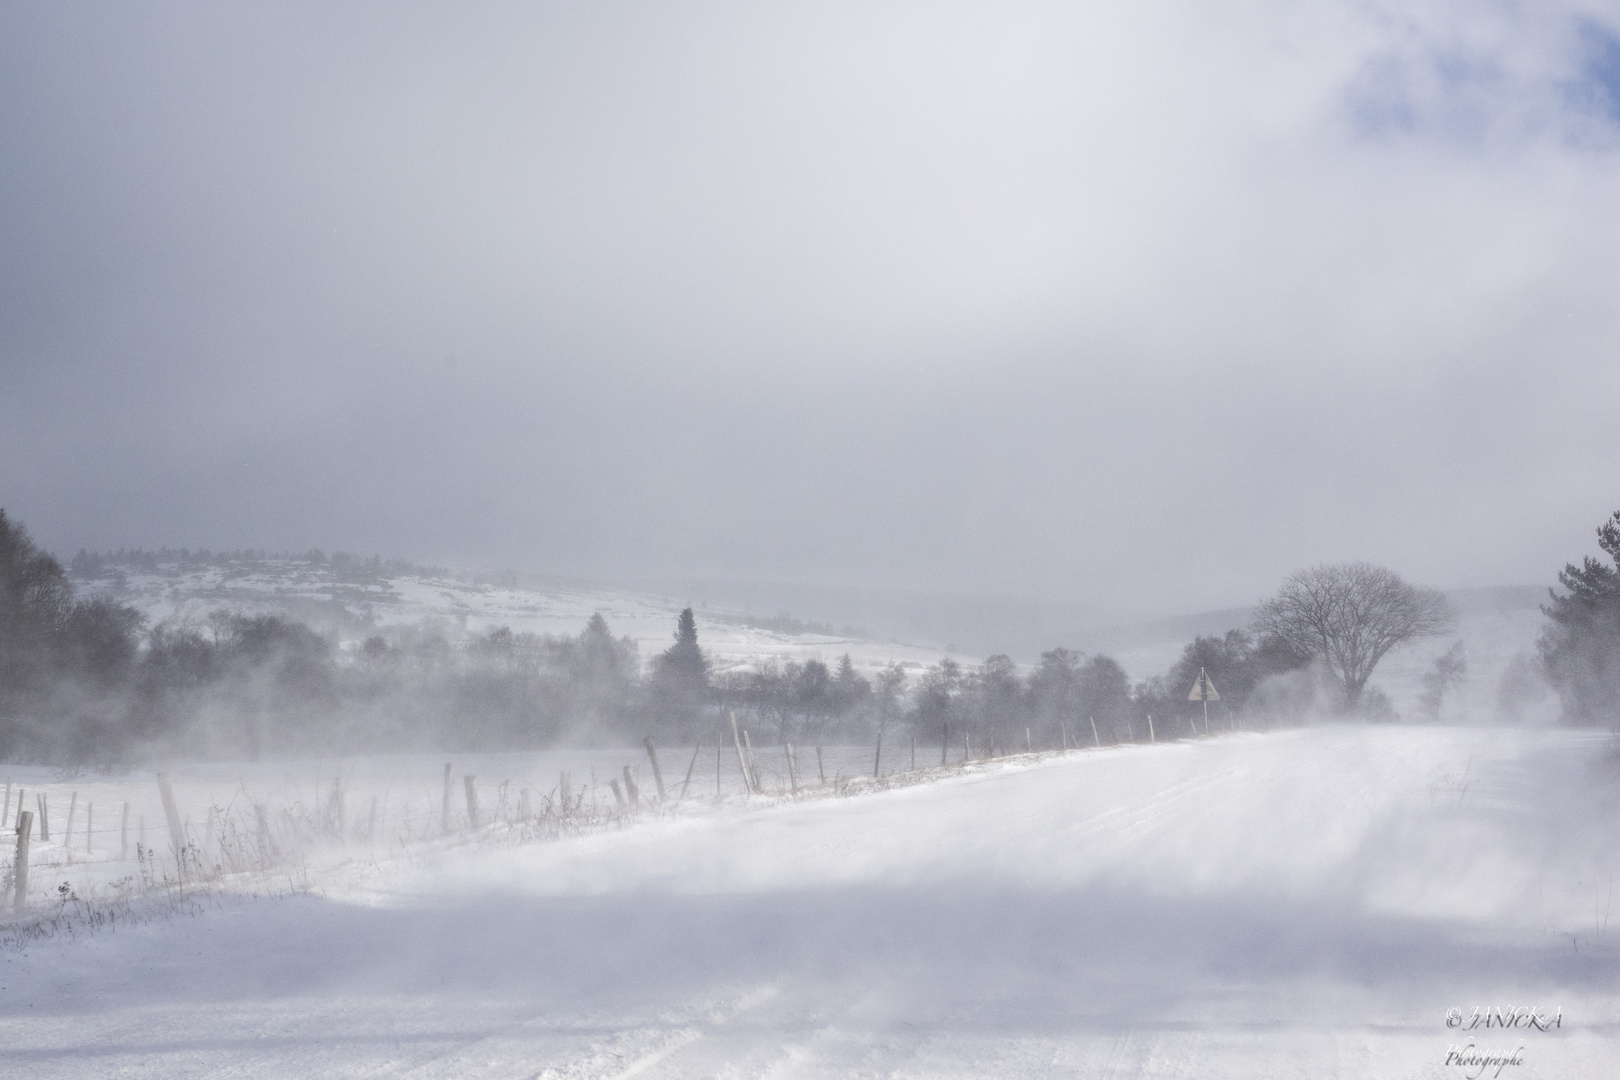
(1133, 305)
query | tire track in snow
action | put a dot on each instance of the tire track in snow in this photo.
(574, 1048)
(635, 1052)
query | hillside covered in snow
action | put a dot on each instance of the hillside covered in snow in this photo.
(349, 598)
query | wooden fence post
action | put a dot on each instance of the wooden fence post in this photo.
(793, 773)
(177, 833)
(658, 774)
(1151, 737)
(914, 753)
(1029, 742)
(44, 806)
(472, 798)
(944, 740)
(1094, 736)
(25, 829)
(631, 789)
(67, 834)
(617, 794)
(821, 768)
(753, 765)
(444, 819)
(1064, 724)
(742, 762)
(685, 783)
(22, 792)
(877, 758)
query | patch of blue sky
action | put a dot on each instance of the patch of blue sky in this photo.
(1597, 89)
(1440, 92)
(1443, 93)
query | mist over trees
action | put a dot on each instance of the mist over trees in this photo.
(1238, 663)
(85, 680)
(1348, 617)
(60, 658)
(1448, 670)
(679, 685)
(1580, 651)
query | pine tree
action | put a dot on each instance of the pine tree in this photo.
(680, 684)
(1580, 652)
(684, 660)
(54, 651)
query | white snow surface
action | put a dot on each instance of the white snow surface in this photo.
(1301, 904)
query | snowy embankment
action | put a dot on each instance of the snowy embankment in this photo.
(1301, 904)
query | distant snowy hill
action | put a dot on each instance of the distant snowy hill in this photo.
(349, 599)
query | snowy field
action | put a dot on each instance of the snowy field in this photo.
(1303, 904)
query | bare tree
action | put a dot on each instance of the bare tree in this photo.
(1450, 668)
(1349, 616)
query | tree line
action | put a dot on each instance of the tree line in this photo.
(83, 679)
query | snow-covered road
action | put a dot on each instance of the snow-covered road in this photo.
(1305, 904)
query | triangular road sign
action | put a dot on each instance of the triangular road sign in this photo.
(1203, 689)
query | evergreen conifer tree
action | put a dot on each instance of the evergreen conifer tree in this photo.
(680, 684)
(1580, 652)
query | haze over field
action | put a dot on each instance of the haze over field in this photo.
(1305, 903)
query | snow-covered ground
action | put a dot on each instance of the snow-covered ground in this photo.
(1301, 904)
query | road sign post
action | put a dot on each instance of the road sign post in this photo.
(1204, 690)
